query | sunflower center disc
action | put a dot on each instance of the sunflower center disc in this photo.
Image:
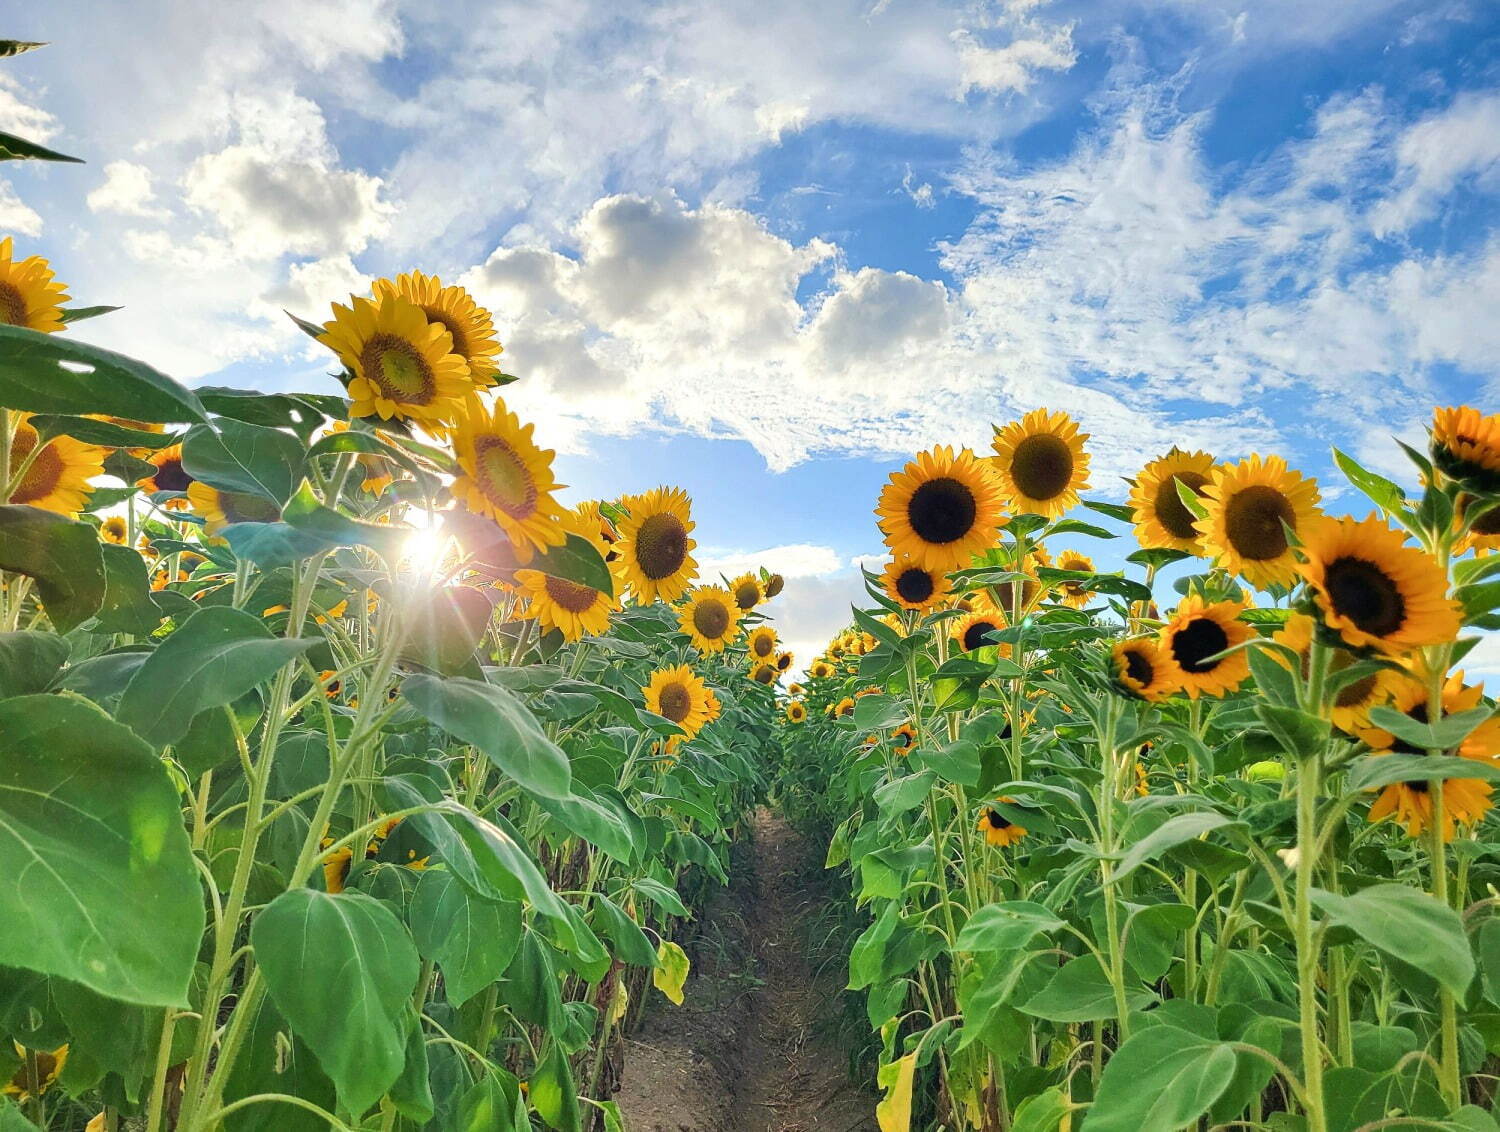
(997, 820)
(1042, 467)
(394, 365)
(1365, 594)
(711, 619)
(914, 585)
(661, 546)
(247, 509)
(974, 635)
(45, 471)
(1138, 668)
(1170, 511)
(12, 306)
(1253, 522)
(765, 674)
(745, 596)
(942, 510)
(503, 477)
(1199, 640)
(570, 595)
(675, 702)
(762, 646)
(170, 475)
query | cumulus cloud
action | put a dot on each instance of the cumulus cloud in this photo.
(1459, 143)
(798, 560)
(15, 215)
(127, 190)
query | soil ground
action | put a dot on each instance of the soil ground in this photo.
(750, 1049)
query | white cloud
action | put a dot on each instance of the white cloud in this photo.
(794, 561)
(1458, 143)
(1013, 66)
(15, 216)
(18, 116)
(126, 189)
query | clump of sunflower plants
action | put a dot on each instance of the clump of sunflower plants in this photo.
(348, 778)
(1138, 856)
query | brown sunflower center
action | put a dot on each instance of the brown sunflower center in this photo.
(12, 305)
(997, 820)
(452, 326)
(1042, 466)
(765, 674)
(774, 584)
(676, 701)
(570, 595)
(503, 477)
(905, 737)
(1365, 594)
(1138, 667)
(247, 508)
(1253, 522)
(1487, 523)
(661, 545)
(1194, 643)
(1170, 511)
(171, 476)
(974, 635)
(915, 585)
(398, 369)
(44, 473)
(746, 594)
(942, 510)
(762, 645)
(711, 618)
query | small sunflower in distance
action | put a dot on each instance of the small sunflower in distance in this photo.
(403, 366)
(774, 584)
(679, 695)
(1250, 506)
(796, 712)
(1466, 447)
(1041, 463)
(1162, 521)
(784, 661)
(940, 510)
(576, 611)
(998, 829)
(1139, 668)
(820, 669)
(903, 739)
(114, 530)
(1195, 634)
(972, 630)
(1073, 593)
(913, 586)
(761, 644)
(1373, 590)
(59, 472)
(29, 295)
(763, 673)
(796, 690)
(747, 591)
(710, 618)
(656, 545)
(220, 509)
(506, 476)
(844, 708)
(468, 324)
(169, 474)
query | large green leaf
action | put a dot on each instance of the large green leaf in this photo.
(341, 968)
(313, 519)
(472, 940)
(1160, 1079)
(553, 1093)
(1004, 926)
(274, 1061)
(92, 841)
(28, 661)
(127, 605)
(1408, 924)
(52, 373)
(499, 724)
(13, 148)
(1080, 992)
(631, 944)
(60, 555)
(577, 561)
(215, 657)
(1171, 833)
(234, 456)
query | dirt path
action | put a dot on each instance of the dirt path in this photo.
(749, 1051)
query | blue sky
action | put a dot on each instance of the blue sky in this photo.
(765, 248)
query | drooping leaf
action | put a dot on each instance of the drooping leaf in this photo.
(893, 1113)
(28, 661)
(53, 373)
(553, 1094)
(472, 940)
(671, 971)
(1161, 1078)
(251, 459)
(1408, 924)
(60, 555)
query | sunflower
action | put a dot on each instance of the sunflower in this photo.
(913, 586)
(221, 508)
(656, 545)
(329, 680)
(48, 1065)
(169, 474)
(402, 365)
(999, 830)
(1375, 591)
(710, 617)
(1139, 669)
(774, 584)
(468, 324)
(941, 509)
(796, 712)
(748, 592)
(506, 476)
(971, 631)
(680, 696)
(28, 295)
(1073, 592)
(763, 673)
(1352, 702)
(1250, 506)
(590, 521)
(57, 473)
(1041, 463)
(115, 530)
(1410, 696)
(1195, 633)
(820, 669)
(784, 661)
(1466, 447)
(576, 611)
(1161, 519)
(844, 708)
(761, 645)
(904, 738)
(1482, 533)
(795, 690)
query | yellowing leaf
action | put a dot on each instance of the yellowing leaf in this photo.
(894, 1112)
(620, 1003)
(672, 971)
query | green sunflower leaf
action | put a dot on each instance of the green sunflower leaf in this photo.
(13, 148)
(28, 661)
(471, 939)
(51, 373)
(234, 456)
(60, 555)
(577, 560)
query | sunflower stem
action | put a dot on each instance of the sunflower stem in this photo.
(1308, 939)
(1109, 789)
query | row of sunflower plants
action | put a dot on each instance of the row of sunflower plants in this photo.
(1203, 842)
(348, 779)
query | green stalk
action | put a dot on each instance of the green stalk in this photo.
(1308, 941)
(1448, 1075)
(1109, 789)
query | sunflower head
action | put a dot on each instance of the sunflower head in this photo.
(972, 630)
(507, 476)
(114, 530)
(1139, 669)
(1041, 463)
(763, 673)
(774, 584)
(679, 695)
(169, 474)
(761, 645)
(220, 509)
(844, 708)
(747, 591)
(796, 712)
(1250, 508)
(1161, 519)
(903, 739)
(1191, 640)
(55, 475)
(1480, 527)
(998, 829)
(784, 661)
(1466, 447)
(469, 325)
(941, 509)
(820, 669)
(403, 366)
(710, 617)
(914, 586)
(1354, 698)
(656, 545)
(26, 1084)
(29, 295)
(574, 610)
(1073, 592)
